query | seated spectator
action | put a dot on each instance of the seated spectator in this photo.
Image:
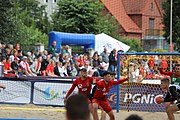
(50, 69)
(7, 65)
(57, 68)
(29, 58)
(81, 61)
(36, 65)
(25, 67)
(64, 67)
(56, 57)
(69, 69)
(44, 65)
(74, 70)
(15, 65)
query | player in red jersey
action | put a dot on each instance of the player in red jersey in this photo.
(83, 83)
(100, 96)
(175, 76)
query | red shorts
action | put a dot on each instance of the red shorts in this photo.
(103, 104)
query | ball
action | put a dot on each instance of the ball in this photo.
(158, 99)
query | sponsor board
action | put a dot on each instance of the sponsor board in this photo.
(15, 92)
(50, 93)
(141, 97)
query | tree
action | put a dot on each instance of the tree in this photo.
(6, 21)
(32, 13)
(133, 43)
(82, 16)
(176, 21)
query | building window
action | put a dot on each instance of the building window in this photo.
(152, 6)
(54, 1)
(151, 23)
(45, 1)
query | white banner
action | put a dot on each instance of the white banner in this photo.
(15, 92)
(103, 40)
(50, 93)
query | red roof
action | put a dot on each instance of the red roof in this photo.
(117, 9)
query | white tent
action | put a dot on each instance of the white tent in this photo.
(102, 40)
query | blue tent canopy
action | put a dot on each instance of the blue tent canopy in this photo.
(61, 38)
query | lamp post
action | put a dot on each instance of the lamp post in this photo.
(171, 47)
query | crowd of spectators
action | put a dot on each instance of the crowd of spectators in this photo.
(51, 63)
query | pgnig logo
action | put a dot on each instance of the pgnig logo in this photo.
(50, 94)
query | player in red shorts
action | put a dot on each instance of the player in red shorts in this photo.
(83, 83)
(100, 96)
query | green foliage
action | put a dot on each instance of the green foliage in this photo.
(6, 22)
(32, 36)
(133, 43)
(32, 13)
(76, 16)
(176, 21)
(82, 16)
(22, 22)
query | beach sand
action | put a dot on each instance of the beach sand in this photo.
(58, 113)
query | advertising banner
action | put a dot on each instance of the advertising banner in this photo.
(50, 93)
(140, 97)
(15, 92)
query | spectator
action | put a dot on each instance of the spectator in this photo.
(25, 67)
(3, 49)
(164, 63)
(52, 49)
(56, 57)
(81, 61)
(112, 61)
(50, 69)
(96, 62)
(29, 58)
(15, 65)
(44, 65)
(7, 65)
(11, 48)
(57, 68)
(151, 61)
(74, 70)
(69, 69)
(105, 56)
(66, 50)
(36, 65)
(18, 47)
(64, 67)
(77, 108)
(14, 55)
(20, 54)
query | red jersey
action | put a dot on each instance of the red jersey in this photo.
(84, 86)
(103, 88)
(151, 62)
(7, 66)
(168, 73)
(164, 64)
